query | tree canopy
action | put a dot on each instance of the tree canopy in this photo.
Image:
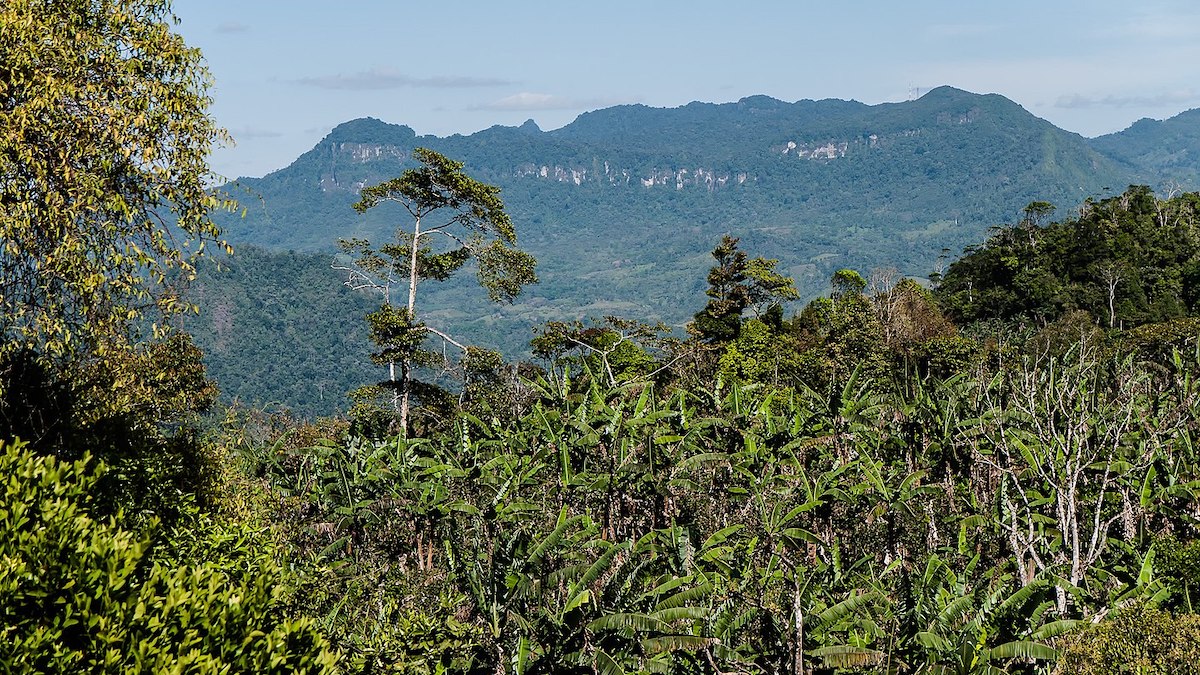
(471, 222)
(104, 143)
(737, 283)
(1128, 259)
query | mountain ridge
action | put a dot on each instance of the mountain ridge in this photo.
(622, 206)
(645, 143)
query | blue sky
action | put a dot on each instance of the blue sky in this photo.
(288, 72)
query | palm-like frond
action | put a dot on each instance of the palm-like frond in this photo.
(847, 656)
(670, 643)
(629, 621)
(851, 605)
(1023, 649)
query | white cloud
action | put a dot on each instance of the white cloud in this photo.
(1169, 27)
(388, 78)
(534, 101)
(1114, 101)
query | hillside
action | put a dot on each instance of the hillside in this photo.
(805, 168)
(622, 206)
(1166, 151)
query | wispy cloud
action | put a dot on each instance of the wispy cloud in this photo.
(1115, 101)
(1172, 26)
(247, 133)
(388, 78)
(232, 27)
(532, 101)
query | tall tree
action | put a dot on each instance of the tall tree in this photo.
(737, 283)
(104, 143)
(469, 219)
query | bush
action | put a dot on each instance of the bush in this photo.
(1139, 640)
(84, 595)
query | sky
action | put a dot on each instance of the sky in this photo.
(287, 72)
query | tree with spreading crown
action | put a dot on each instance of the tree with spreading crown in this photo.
(469, 219)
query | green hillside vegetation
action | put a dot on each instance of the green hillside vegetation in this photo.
(996, 475)
(281, 330)
(901, 185)
(1162, 150)
(1125, 260)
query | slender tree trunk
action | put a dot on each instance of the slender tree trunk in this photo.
(387, 300)
(405, 379)
(406, 370)
(1112, 312)
(395, 391)
(798, 621)
(412, 267)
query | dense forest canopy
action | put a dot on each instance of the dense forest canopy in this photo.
(997, 473)
(1127, 260)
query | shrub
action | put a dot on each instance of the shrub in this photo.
(1139, 640)
(79, 594)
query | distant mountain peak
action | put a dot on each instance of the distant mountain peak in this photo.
(947, 91)
(1164, 151)
(762, 101)
(371, 130)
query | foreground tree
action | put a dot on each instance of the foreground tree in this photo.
(104, 140)
(104, 143)
(81, 593)
(471, 224)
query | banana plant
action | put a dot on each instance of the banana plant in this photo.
(947, 626)
(517, 581)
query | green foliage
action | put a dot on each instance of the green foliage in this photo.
(81, 594)
(1139, 640)
(105, 135)
(136, 410)
(840, 334)
(104, 187)
(256, 306)
(735, 284)
(615, 349)
(740, 527)
(1125, 260)
(412, 642)
(1178, 562)
(1158, 341)
(755, 356)
(949, 627)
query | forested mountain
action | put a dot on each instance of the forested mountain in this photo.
(818, 178)
(279, 330)
(622, 206)
(1162, 151)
